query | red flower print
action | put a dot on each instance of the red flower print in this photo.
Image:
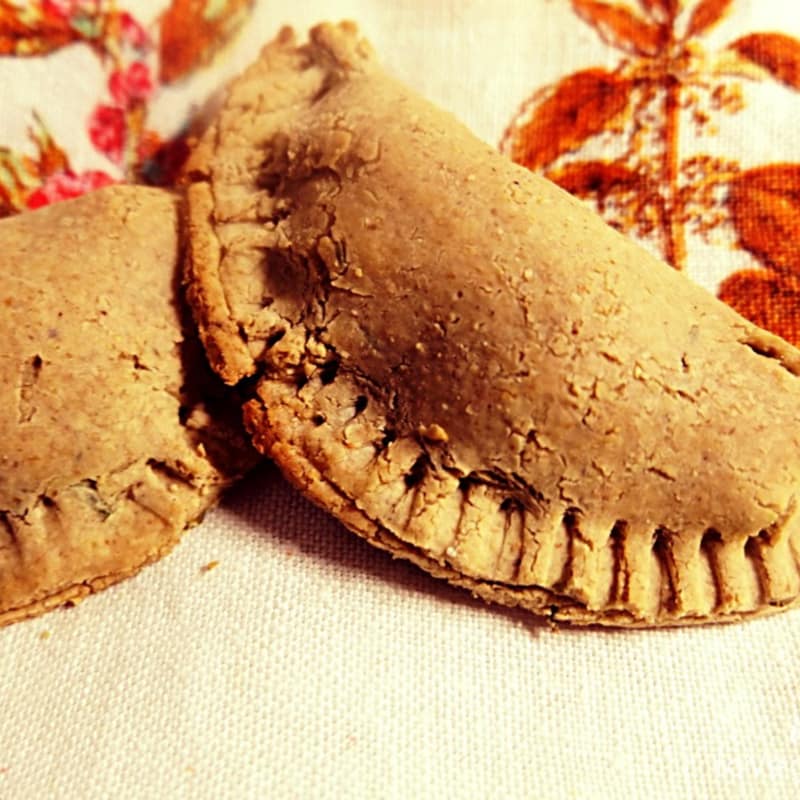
(130, 85)
(132, 32)
(66, 185)
(107, 131)
(60, 8)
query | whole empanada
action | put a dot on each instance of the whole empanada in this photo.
(472, 371)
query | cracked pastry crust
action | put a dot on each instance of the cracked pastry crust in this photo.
(114, 434)
(471, 370)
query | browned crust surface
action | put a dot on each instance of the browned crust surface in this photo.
(471, 370)
(114, 433)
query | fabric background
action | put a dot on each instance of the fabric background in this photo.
(307, 665)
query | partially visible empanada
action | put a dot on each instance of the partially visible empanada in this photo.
(114, 434)
(471, 370)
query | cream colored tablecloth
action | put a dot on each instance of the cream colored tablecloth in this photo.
(307, 665)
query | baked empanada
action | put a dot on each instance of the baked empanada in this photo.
(471, 370)
(114, 434)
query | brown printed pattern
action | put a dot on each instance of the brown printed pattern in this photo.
(636, 110)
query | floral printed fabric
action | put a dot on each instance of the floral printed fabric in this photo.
(137, 59)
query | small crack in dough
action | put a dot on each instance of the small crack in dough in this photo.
(29, 375)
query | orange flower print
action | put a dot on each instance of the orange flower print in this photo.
(639, 107)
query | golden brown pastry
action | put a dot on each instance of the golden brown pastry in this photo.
(472, 371)
(113, 432)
